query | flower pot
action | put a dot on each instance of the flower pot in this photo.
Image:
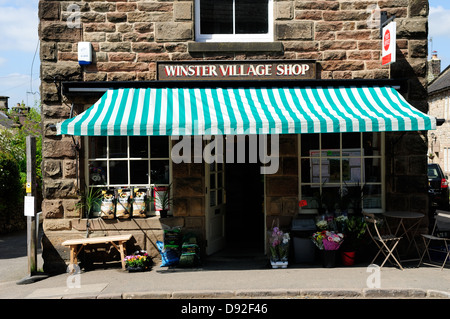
(136, 269)
(279, 264)
(348, 258)
(329, 258)
(163, 213)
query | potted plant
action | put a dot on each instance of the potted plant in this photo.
(162, 199)
(343, 201)
(90, 202)
(328, 243)
(354, 230)
(355, 196)
(279, 248)
(330, 199)
(319, 199)
(139, 261)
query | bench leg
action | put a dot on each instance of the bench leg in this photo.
(122, 254)
(73, 257)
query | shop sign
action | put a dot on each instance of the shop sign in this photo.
(389, 40)
(236, 70)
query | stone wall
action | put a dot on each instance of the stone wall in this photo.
(438, 102)
(128, 37)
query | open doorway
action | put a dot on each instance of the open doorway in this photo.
(244, 222)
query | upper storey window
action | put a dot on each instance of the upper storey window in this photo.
(234, 20)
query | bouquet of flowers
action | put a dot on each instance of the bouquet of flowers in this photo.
(318, 237)
(322, 224)
(139, 261)
(327, 240)
(332, 240)
(279, 245)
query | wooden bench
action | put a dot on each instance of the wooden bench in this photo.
(120, 246)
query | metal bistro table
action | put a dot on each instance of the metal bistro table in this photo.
(402, 230)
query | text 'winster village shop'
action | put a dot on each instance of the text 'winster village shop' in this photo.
(228, 116)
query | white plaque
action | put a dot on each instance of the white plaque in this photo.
(29, 206)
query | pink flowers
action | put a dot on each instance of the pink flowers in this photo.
(139, 259)
(328, 240)
(279, 244)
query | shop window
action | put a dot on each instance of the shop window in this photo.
(128, 161)
(234, 20)
(338, 163)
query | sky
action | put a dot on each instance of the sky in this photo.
(19, 51)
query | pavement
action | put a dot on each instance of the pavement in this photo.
(221, 276)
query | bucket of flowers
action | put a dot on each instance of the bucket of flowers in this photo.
(331, 243)
(279, 248)
(139, 261)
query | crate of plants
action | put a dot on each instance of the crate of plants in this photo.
(190, 252)
(123, 205)
(140, 202)
(172, 237)
(108, 206)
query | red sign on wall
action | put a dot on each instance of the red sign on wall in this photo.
(389, 39)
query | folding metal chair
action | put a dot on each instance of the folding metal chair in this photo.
(439, 234)
(385, 242)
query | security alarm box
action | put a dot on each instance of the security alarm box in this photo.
(84, 53)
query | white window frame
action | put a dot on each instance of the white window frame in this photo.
(267, 37)
(381, 157)
(128, 158)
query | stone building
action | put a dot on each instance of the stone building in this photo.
(438, 99)
(141, 45)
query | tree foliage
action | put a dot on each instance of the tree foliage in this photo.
(13, 167)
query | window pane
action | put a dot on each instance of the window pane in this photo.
(139, 146)
(219, 180)
(212, 181)
(212, 198)
(252, 16)
(311, 196)
(219, 197)
(97, 173)
(372, 144)
(372, 170)
(330, 141)
(159, 172)
(118, 172)
(97, 147)
(159, 147)
(309, 142)
(351, 140)
(118, 147)
(216, 16)
(138, 172)
(372, 196)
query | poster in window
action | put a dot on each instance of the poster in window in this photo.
(325, 166)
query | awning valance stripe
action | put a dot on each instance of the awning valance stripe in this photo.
(211, 111)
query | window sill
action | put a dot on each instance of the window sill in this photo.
(202, 47)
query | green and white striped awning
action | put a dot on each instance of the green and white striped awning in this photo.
(273, 110)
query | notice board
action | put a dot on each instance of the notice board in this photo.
(325, 166)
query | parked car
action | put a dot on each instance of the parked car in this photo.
(438, 189)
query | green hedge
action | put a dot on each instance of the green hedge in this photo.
(11, 195)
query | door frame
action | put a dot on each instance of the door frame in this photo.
(215, 215)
